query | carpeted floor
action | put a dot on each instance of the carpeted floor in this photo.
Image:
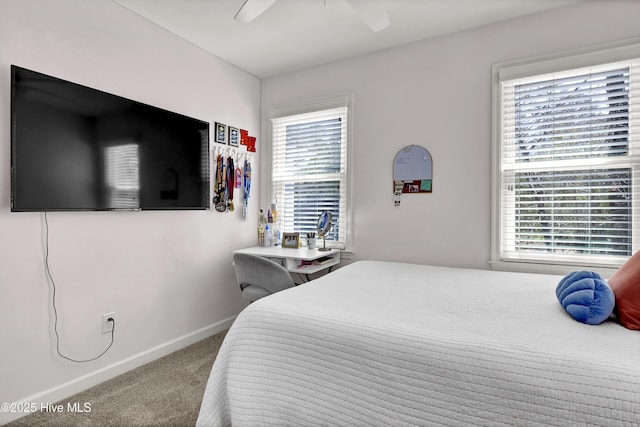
(165, 392)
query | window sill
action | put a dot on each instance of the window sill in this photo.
(555, 269)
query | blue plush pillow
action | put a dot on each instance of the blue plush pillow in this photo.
(586, 296)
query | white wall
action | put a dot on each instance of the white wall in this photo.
(167, 275)
(437, 93)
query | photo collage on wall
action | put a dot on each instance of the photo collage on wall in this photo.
(234, 137)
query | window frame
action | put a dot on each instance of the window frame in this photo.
(311, 106)
(525, 68)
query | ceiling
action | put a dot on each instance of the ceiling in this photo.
(296, 34)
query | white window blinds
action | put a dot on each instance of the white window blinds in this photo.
(309, 171)
(569, 166)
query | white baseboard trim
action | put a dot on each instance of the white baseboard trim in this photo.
(84, 382)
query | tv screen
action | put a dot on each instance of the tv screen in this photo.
(74, 148)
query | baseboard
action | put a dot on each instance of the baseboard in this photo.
(87, 381)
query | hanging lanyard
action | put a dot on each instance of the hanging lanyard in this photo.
(230, 183)
(246, 188)
(219, 200)
(216, 186)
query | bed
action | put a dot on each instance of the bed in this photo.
(394, 344)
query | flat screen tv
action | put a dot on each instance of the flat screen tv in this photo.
(74, 148)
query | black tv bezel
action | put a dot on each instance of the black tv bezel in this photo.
(206, 185)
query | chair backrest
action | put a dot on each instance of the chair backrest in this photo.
(252, 270)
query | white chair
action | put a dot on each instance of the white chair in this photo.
(259, 277)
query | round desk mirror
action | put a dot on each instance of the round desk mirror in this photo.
(324, 226)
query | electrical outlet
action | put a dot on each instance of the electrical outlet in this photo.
(107, 325)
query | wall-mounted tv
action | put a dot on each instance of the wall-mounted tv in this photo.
(74, 148)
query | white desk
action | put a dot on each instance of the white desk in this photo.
(292, 259)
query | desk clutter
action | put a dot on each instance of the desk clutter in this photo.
(268, 231)
(311, 240)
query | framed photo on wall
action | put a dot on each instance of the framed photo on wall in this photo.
(290, 240)
(221, 133)
(234, 136)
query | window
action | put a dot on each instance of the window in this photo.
(568, 171)
(309, 161)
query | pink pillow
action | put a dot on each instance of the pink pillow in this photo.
(625, 284)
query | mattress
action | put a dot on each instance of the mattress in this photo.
(395, 344)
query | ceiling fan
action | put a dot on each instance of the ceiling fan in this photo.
(372, 12)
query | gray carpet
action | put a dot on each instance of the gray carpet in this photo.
(165, 392)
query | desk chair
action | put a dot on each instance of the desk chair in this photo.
(259, 277)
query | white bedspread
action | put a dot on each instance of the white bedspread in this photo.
(392, 344)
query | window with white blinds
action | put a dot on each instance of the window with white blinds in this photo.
(309, 171)
(569, 166)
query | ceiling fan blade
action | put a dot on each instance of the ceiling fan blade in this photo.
(251, 9)
(372, 12)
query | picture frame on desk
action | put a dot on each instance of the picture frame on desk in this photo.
(290, 240)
